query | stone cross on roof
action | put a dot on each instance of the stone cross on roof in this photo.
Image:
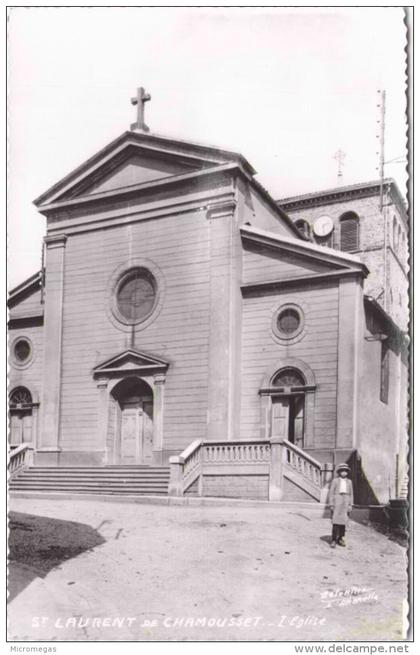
(140, 100)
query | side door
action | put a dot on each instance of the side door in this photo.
(280, 409)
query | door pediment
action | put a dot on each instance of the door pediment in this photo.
(131, 361)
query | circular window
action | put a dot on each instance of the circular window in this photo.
(288, 322)
(136, 295)
(22, 352)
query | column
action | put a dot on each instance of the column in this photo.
(53, 328)
(225, 322)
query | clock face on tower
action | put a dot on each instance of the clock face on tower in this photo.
(323, 226)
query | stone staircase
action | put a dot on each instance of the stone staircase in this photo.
(109, 480)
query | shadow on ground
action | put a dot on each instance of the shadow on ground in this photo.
(38, 544)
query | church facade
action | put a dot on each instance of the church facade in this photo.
(182, 310)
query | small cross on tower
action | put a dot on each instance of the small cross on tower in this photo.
(340, 157)
(140, 100)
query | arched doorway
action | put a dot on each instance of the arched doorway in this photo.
(20, 404)
(288, 406)
(133, 402)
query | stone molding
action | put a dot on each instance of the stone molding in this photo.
(55, 241)
(289, 362)
(221, 209)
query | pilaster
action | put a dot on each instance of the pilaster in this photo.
(225, 322)
(53, 327)
(349, 342)
(102, 386)
(159, 386)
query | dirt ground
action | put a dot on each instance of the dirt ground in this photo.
(82, 570)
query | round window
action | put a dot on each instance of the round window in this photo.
(288, 321)
(22, 351)
(136, 295)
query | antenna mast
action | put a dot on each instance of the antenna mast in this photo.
(381, 137)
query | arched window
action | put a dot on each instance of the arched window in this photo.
(288, 377)
(349, 231)
(303, 227)
(20, 397)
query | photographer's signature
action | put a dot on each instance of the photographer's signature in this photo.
(349, 596)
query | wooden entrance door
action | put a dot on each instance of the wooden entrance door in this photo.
(137, 433)
(20, 427)
(131, 431)
(297, 418)
(280, 417)
(287, 418)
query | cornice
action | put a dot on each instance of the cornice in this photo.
(55, 241)
(31, 283)
(343, 194)
(301, 280)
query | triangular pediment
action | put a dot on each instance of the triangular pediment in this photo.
(133, 160)
(131, 360)
(270, 257)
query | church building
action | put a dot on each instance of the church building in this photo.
(189, 334)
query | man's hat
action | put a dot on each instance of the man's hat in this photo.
(342, 467)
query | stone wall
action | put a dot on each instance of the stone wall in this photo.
(236, 486)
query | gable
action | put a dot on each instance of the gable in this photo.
(262, 263)
(270, 257)
(137, 169)
(130, 361)
(135, 159)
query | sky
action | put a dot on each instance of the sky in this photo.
(286, 87)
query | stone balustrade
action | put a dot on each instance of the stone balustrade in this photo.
(240, 463)
(20, 457)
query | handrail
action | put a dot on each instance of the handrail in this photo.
(17, 450)
(236, 442)
(190, 450)
(20, 457)
(308, 467)
(302, 453)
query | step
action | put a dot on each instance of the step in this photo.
(100, 470)
(96, 492)
(83, 489)
(94, 476)
(39, 485)
(146, 485)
